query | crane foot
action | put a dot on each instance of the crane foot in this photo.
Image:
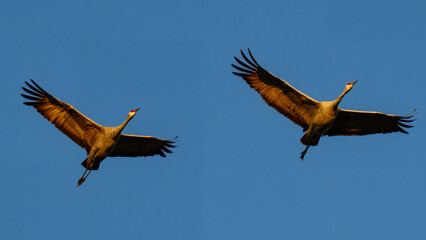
(302, 154)
(80, 181)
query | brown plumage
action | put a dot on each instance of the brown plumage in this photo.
(316, 118)
(99, 142)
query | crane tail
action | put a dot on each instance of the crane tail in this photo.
(309, 140)
(304, 140)
(94, 167)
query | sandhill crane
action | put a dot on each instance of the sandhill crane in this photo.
(100, 142)
(316, 118)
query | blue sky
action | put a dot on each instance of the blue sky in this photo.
(236, 173)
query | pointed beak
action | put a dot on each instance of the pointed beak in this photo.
(137, 109)
(354, 82)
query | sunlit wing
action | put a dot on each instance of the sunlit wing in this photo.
(65, 117)
(134, 146)
(350, 122)
(277, 93)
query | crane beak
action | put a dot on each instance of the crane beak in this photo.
(137, 109)
(354, 82)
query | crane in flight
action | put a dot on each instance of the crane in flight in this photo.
(99, 141)
(316, 118)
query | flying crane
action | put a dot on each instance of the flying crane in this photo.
(316, 118)
(99, 141)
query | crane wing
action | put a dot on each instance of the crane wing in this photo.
(350, 122)
(65, 117)
(277, 93)
(134, 146)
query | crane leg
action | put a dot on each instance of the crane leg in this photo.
(83, 178)
(302, 154)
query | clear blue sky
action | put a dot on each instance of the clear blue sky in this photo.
(236, 173)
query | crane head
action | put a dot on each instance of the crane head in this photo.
(133, 112)
(349, 86)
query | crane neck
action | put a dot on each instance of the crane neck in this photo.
(336, 102)
(122, 126)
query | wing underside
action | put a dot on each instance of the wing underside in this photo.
(359, 123)
(65, 117)
(276, 92)
(135, 146)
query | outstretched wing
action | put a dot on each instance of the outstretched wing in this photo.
(134, 146)
(277, 93)
(362, 123)
(65, 117)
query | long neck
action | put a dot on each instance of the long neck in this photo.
(122, 126)
(336, 102)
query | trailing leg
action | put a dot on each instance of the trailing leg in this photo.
(83, 178)
(302, 154)
(88, 164)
